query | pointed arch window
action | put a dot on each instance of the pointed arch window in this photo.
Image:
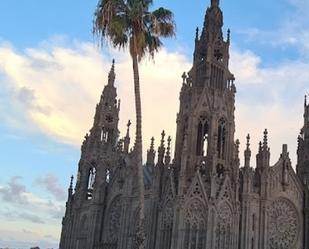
(91, 181)
(104, 135)
(112, 224)
(221, 144)
(202, 137)
(166, 226)
(223, 231)
(195, 235)
(107, 135)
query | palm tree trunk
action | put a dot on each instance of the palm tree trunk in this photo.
(139, 154)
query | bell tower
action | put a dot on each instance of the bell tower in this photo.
(205, 121)
(102, 139)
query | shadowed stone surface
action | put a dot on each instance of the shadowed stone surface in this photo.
(203, 198)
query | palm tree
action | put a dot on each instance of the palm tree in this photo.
(130, 24)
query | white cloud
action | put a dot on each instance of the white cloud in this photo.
(55, 88)
(292, 31)
(27, 218)
(16, 195)
(269, 97)
(51, 184)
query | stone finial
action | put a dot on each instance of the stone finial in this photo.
(196, 34)
(70, 190)
(151, 153)
(260, 146)
(265, 140)
(71, 182)
(247, 153)
(237, 146)
(152, 144)
(162, 139)
(128, 128)
(184, 78)
(161, 150)
(248, 142)
(168, 151)
(215, 3)
(263, 156)
(126, 142)
(112, 75)
(228, 35)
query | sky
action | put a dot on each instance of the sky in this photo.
(52, 74)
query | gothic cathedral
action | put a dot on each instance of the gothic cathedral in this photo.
(202, 198)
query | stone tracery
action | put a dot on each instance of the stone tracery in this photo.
(224, 226)
(283, 224)
(113, 223)
(195, 225)
(166, 226)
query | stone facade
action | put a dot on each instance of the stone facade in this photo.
(203, 198)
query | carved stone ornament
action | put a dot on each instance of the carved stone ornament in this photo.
(114, 219)
(283, 225)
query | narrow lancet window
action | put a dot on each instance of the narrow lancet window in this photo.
(91, 181)
(202, 137)
(104, 135)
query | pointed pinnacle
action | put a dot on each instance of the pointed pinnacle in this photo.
(265, 141)
(228, 35)
(152, 144)
(237, 145)
(248, 142)
(260, 146)
(184, 77)
(111, 75)
(305, 104)
(169, 139)
(71, 182)
(162, 138)
(128, 128)
(215, 3)
(196, 34)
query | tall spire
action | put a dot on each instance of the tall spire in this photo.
(305, 129)
(112, 75)
(215, 3)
